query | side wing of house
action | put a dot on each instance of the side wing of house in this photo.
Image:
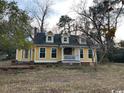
(24, 55)
(88, 55)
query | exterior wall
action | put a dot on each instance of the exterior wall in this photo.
(20, 55)
(77, 53)
(35, 53)
(85, 56)
(47, 58)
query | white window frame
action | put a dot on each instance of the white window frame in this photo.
(49, 41)
(80, 53)
(24, 53)
(65, 41)
(51, 53)
(88, 52)
(39, 53)
(82, 42)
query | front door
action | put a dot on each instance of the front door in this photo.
(67, 51)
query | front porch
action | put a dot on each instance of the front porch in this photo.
(70, 55)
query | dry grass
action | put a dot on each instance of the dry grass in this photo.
(63, 79)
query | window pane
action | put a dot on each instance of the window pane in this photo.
(42, 49)
(42, 52)
(81, 53)
(49, 38)
(90, 53)
(65, 39)
(42, 55)
(53, 52)
(26, 53)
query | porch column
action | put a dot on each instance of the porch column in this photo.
(77, 53)
(62, 53)
(78, 57)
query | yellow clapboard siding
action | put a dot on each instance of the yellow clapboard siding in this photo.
(85, 56)
(34, 55)
(19, 55)
(47, 53)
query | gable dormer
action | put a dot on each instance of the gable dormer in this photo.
(82, 40)
(49, 37)
(65, 38)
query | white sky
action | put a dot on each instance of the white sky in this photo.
(64, 7)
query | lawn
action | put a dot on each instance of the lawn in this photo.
(63, 79)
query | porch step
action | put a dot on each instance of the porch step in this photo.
(70, 61)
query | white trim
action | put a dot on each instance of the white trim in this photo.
(72, 61)
(39, 53)
(51, 53)
(78, 49)
(16, 54)
(80, 40)
(45, 61)
(34, 53)
(31, 53)
(65, 41)
(52, 40)
(92, 53)
(62, 54)
(83, 53)
(23, 55)
(45, 45)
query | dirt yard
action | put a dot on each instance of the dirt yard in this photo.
(63, 79)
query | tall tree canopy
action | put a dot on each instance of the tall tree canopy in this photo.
(65, 23)
(14, 26)
(99, 22)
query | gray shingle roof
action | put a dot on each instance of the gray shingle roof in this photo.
(40, 38)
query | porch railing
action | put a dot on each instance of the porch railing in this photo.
(70, 57)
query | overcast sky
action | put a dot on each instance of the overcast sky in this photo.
(65, 7)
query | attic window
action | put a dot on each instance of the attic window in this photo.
(82, 41)
(65, 39)
(49, 38)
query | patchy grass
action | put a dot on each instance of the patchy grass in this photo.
(63, 79)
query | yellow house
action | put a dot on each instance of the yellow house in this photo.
(53, 48)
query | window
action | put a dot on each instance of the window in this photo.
(42, 52)
(90, 53)
(49, 38)
(53, 53)
(25, 53)
(81, 53)
(65, 39)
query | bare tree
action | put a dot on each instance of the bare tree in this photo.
(40, 10)
(99, 22)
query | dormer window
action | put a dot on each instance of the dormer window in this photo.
(82, 41)
(49, 37)
(65, 38)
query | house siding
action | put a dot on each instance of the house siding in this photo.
(85, 56)
(35, 53)
(19, 55)
(47, 55)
